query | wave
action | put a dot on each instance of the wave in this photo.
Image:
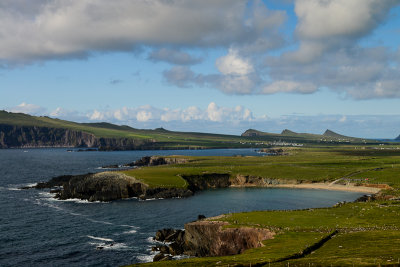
(145, 258)
(17, 187)
(96, 221)
(101, 238)
(130, 232)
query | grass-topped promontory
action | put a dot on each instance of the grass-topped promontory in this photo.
(364, 234)
(367, 166)
(349, 234)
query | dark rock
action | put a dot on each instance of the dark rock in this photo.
(113, 166)
(200, 217)
(161, 257)
(207, 180)
(164, 250)
(366, 198)
(176, 248)
(162, 234)
(55, 191)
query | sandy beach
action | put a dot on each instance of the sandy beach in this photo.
(330, 186)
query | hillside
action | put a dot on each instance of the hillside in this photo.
(22, 130)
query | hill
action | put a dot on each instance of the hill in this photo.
(291, 136)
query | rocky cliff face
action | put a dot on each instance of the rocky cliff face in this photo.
(107, 186)
(209, 238)
(207, 180)
(32, 136)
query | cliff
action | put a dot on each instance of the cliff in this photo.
(12, 136)
(210, 238)
(33, 136)
(204, 238)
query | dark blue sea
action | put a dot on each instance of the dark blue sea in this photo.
(37, 230)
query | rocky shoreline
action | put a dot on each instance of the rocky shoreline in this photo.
(207, 237)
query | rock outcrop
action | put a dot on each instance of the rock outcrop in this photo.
(156, 160)
(210, 238)
(207, 180)
(107, 186)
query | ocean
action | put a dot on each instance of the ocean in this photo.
(37, 230)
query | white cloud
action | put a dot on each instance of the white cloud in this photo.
(144, 116)
(232, 63)
(97, 116)
(28, 109)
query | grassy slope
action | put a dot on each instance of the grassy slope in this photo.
(368, 232)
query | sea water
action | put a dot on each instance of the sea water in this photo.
(37, 230)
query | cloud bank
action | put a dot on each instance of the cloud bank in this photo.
(327, 47)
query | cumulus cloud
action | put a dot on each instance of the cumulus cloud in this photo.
(28, 109)
(232, 63)
(63, 29)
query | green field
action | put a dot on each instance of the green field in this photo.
(368, 233)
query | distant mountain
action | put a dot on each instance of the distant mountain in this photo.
(291, 136)
(398, 138)
(336, 135)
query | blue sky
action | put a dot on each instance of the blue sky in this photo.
(212, 66)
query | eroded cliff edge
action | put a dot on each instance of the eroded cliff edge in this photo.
(12, 136)
(208, 237)
(211, 238)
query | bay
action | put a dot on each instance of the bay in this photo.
(37, 230)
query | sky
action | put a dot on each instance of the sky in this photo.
(203, 65)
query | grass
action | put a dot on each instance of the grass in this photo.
(368, 232)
